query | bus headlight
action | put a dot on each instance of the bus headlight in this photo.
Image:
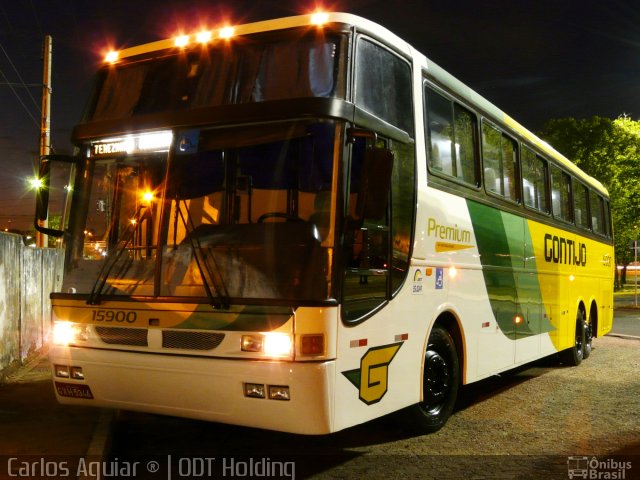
(277, 344)
(273, 344)
(252, 343)
(67, 333)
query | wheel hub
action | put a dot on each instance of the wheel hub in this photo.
(436, 382)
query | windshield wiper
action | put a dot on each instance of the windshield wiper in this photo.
(218, 296)
(114, 256)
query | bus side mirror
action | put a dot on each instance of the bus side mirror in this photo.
(375, 183)
(43, 188)
(42, 184)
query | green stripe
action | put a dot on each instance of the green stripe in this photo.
(247, 319)
(508, 267)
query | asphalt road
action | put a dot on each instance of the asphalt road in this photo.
(536, 422)
(533, 423)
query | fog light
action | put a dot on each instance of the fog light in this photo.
(312, 344)
(77, 373)
(252, 343)
(61, 371)
(279, 392)
(254, 390)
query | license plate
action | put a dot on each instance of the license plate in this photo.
(74, 390)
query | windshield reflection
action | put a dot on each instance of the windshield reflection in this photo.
(248, 215)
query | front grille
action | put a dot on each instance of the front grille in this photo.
(191, 340)
(136, 337)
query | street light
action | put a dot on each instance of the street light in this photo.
(36, 183)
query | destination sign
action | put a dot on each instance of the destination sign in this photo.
(131, 144)
(105, 149)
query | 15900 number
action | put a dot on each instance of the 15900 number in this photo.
(120, 316)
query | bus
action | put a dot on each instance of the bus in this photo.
(303, 224)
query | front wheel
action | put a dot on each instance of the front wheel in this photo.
(440, 383)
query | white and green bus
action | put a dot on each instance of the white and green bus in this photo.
(304, 224)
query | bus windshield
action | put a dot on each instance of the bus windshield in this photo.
(247, 214)
(254, 70)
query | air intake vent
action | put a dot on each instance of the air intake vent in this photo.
(189, 340)
(136, 337)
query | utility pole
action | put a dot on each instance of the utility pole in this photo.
(45, 123)
(635, 271)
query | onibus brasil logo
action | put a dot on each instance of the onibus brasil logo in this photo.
(592, 468)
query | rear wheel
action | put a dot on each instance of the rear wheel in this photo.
(440, 383)
(588, 340)
(573, 356)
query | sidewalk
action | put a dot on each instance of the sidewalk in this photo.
(626, 320)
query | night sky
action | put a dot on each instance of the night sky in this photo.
(536, 60)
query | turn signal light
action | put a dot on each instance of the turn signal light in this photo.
(312, 344)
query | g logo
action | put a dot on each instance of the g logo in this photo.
(372, 378)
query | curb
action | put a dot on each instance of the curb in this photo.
(23, 370)
(622, 335)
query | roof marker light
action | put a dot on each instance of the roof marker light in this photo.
(227, 32)
(181, 41)
(111, 57)
(204, 36)
(319, 18)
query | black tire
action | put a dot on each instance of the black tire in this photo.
(440, 383)
(573, 356)
(588, 340)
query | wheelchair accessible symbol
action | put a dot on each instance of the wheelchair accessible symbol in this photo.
(439, 278)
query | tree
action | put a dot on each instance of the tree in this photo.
(608, 150)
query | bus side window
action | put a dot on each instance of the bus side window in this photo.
(607, 223)
(499, 156)
(451, 138)
(534, 185)
(383, 84)
(561, 194)
(597, 213)
(580, 200)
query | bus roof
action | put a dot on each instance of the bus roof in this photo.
(318, 19)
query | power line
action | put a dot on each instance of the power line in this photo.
(17, 84)
(20, 78)
(20, 99)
